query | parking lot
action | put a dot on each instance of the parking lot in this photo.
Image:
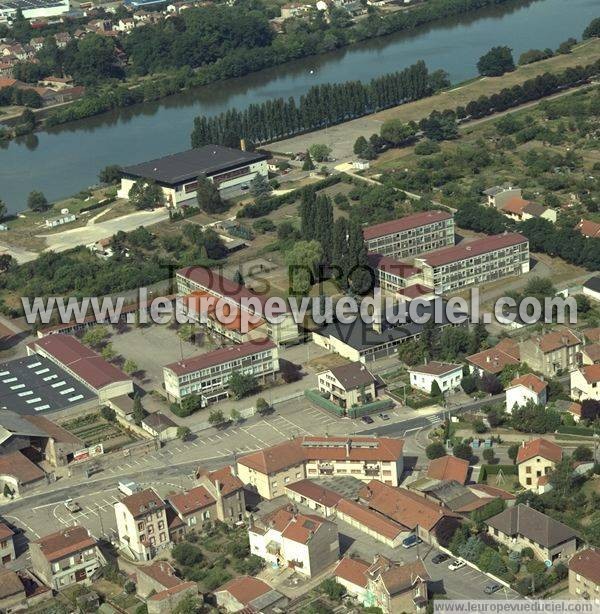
(464, 583)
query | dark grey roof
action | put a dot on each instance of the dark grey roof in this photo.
(191, 164)
(16, 425)
(35, 384)
(497, 189)
(531, 524)
(534, 209)
(158, 421)
(353, 375)
(593, 283)
(361, 336)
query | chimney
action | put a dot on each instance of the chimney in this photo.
(243, 144)
(347, 448)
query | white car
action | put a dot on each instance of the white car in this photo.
(456, 564)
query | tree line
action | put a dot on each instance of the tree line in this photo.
(323, 105)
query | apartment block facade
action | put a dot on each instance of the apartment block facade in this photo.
(411, 235)
(208, 375)
(552, 353)
(478, 262)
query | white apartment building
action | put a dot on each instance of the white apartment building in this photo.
(446, 375)
(411, 235)
(208, 374)
(475, 263)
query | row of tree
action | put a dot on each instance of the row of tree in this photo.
(323, 105)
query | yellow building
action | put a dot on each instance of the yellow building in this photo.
(536, 459)
(584, 575)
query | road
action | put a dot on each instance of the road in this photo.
(68, 239)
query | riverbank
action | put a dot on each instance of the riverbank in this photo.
(341, 137)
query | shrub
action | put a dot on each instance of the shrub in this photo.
(527, 553)
(332, 589)
(583, 453)
(108, 413)
(186, 554)
(479, 426)
(463, 450)
(435, 450)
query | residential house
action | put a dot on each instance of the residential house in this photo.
(449, 468)
(589, 229)
(535, 459)
(522, 526)
(418, 514)
(584, 575)
(348, 385)
(18, 473)
(219, 496)
(493, 360)
(592, 334)
(159, 586)
(167, 600)
(160, 426)
(7, 544)
(286, 538)
(314, 496)
(396, 587)
(590, 354)
(12, 591)
(499, 195)
(142, 524)
(269, 470)
(66, 557)
(591, 288)
(520, 210)
(446, 375)
(552, 353)
(249, 594)
(525, 389)
(585, 383)
(62, 39)
(351, 573)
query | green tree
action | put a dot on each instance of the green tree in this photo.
(582, 453)
(319, 152)
(260, 187)
(302, 261)
(242, 384)
(95, 336)
(235, 416)
(146, 195)
(262, 407)
(36, 201)
(395, 131)
(488, 455)
(130, 367)
(435, 450)
(3, 209)
(183, 432)
(334, 590)
(463, 450)
(108, 413)
(139, 413)
(208, 197)
(436, 391)
(360, 145)
(496, 62)
(110, 174)
(308, 163)
(238, 278)
(593, 29)
(216, 417)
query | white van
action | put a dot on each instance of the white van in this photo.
(128, 487)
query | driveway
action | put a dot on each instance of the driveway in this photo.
(67, 239)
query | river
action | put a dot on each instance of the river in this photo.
(63, 160)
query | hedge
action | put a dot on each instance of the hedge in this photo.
(487, 470)
(316, 399)
(352, 412)
(576, 430)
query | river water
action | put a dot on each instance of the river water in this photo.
(62, 161)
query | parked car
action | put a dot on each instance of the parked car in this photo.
(411, 540)
(367, 420)
(456, 564)
(384, 416)
(128, 487)
(72, 506)
(492, 587)
(439, 558)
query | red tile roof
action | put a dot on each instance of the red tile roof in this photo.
(5, 532)
(219, 285)
(352, 570)
(591, 373)
(493, 491)
(142, 502)
(466, 250)
(392, 266)
(403, 506)
(493, 360)
(592, 351)
(162, 572)
(448, 468)
(292, 525)
(301, 449)
(245, 589)
(530, 381)
(539, 447)
(557, 339)
(182, 586)
(228, 482)
(415, 291)
(589, 229)
(65, 542)
(191, 501)
(81, 360)
(575, 409)
(315, 492)
(372, 519)
(405, 223)
(20, 467)
(586, 563)
(220, 356)
(593, 334)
